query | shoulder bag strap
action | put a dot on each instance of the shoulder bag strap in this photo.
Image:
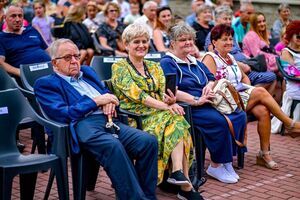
(233, 134)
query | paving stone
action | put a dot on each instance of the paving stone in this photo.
(256, 182)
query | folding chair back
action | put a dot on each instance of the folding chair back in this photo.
(102, 66)
(6, 81)
(13, 108)
(155, 56)
(31, 72)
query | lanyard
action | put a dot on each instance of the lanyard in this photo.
(147, 73)
(232, 66)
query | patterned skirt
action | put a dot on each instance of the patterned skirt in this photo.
(169, 130)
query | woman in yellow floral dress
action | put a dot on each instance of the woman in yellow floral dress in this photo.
(140, 84)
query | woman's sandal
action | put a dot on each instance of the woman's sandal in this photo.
(260, 160)
(291, 130)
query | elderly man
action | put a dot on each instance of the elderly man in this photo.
(149, 17)
(74, 94)
(20, 45)
(223, 15)
(241, 24)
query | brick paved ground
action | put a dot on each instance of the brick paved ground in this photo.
(256, 182)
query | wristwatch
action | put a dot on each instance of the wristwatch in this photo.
(196, 99)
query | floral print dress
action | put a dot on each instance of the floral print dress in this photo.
(132, 89)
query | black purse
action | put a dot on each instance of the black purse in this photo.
(270, 50)
(257, 63)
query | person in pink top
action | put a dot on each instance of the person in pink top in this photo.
(42, 22)
(256, 41)
(282, 43)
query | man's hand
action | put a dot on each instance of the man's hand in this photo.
(102, 100)
(109, 110)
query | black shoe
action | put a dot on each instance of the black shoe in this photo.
(190, 195)
(178, 178)
(20, 146)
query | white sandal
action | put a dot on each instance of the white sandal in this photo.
(260, 160)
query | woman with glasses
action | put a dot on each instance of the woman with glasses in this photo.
(195, 82)
(110, 31)
(290, 54)
(78, 33)
(140, 86)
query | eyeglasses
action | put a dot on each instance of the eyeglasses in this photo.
(111, 11)
(68, 57)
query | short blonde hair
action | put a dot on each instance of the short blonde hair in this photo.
(133, 31)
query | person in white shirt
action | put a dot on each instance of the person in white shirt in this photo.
(91, 21)
(134, 15)
(149, 17)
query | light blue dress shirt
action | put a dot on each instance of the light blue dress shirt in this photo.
(82, 87)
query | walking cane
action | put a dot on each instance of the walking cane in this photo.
(114, 128)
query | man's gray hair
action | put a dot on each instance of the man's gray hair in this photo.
(53, 49)
(148, 4)
(220, 10)
(180, 29)
(283, 6)
(245, 5)
(12, 5)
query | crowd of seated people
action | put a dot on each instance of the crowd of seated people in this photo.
(256, 99)
(139, 85)
(223, 15)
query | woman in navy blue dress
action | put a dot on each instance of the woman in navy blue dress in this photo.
(195, 82)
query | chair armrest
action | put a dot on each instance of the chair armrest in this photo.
(188, 117)
(136, 117)
(60, 134)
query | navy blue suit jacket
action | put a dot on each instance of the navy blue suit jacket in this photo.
(62, 103)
